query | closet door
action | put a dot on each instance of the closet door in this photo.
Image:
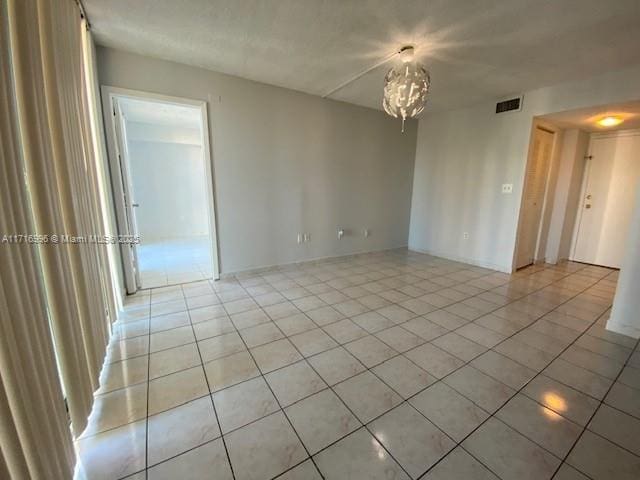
(533, 196)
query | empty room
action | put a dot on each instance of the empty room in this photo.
(319, 239)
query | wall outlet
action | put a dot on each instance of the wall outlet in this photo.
(340, 233)
(507, 187)
(366, 232)
(300, 238)
(306, 237)
(465, 235)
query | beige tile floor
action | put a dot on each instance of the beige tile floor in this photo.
(172, 261)
(390, 365)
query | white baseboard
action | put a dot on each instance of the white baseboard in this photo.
(266, 268)
(624, 329)
(471, 261)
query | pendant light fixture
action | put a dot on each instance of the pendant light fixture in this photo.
(405, 87)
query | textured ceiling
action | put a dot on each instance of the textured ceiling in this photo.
(475, 49)
(586, 118)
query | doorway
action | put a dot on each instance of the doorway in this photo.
(163, 188)
(533, 196)
(612, 175)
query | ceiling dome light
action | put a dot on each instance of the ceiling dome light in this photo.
(609, 121)
(405, 87)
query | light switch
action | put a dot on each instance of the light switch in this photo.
(507, 187)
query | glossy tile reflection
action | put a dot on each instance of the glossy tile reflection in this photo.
(389, 365)
(174, 260)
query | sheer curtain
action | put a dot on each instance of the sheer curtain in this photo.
(35, 441)
(110, 256)
(57, 147)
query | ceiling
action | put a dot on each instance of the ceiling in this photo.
(475, 49)
(586, 118)
(159, 113)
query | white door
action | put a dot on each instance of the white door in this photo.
(128, 225)
(533, 196)
(611, 178)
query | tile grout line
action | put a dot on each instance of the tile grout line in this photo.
(264, 379)
(215, 412)
(146, 419)
(365, 425)
(586, 426)
(321, 327)
(518, 391)
(491, 415)
(430, 340)
(426, 341)
(329, 387)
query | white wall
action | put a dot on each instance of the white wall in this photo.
(286, 162)
(464, 156)
(168, 175)
(626, 304)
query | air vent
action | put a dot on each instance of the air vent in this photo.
(511, 105)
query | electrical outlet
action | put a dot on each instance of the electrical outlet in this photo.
(300, 238)
(306, 237)
(366, 232)
(340, 233)
(465, 235)
(507, 188)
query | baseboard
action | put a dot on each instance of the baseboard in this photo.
(313, 260)
(628, 330)
(455, 258)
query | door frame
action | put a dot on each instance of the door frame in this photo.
(109, 93)
(585, 181)
(127, 224)
(548, 187)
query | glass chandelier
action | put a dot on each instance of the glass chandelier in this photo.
(405, 87)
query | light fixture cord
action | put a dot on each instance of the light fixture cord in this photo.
(357, 76)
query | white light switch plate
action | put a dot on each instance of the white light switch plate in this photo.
(507, 187)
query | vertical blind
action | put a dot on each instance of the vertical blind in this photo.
(53, 184)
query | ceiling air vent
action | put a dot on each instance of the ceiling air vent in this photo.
(511, 105)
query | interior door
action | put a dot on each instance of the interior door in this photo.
(129, 225)
(611, 178)
(533, 196)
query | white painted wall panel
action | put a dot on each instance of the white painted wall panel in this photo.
(464, 156)
(169, 185)
(287, 162)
